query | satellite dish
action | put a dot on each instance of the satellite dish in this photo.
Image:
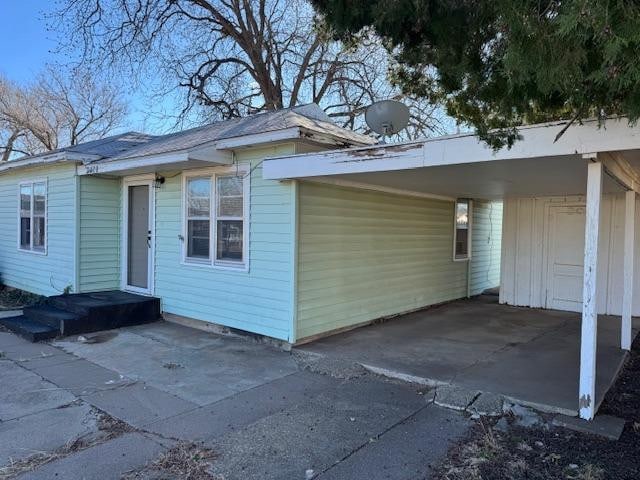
(387, 117)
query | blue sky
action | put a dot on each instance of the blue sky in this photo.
(26, 46)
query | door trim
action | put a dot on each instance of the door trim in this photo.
(127, 182)
(546, 253)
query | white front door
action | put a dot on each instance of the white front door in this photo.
(137, 244)
(565, 257)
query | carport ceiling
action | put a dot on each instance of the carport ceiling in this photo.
(546, 176)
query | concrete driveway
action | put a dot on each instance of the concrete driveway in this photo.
(528, 355)
(110, 409)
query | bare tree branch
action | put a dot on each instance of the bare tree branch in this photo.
(230, 58)
(56, 110)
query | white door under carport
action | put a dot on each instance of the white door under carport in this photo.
(543, 253)
(564, 252)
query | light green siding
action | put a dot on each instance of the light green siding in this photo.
(260, 300)
(43, 274)
(486, 236)
(365, 255)
(99, 205)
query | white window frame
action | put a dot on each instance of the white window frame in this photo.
(467, 257)
(213, 174)
(31, 183)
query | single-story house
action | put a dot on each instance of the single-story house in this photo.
(190, 219)
(283, 224)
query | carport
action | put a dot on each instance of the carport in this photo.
(529, 356)
(587, 162)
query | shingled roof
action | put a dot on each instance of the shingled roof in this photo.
(131, 145)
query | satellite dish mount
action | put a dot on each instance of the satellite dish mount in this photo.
(387, 117)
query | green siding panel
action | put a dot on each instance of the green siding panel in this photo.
(486, 236)
(365, 255)
(260, 300)
(43, 274)
(99, 252)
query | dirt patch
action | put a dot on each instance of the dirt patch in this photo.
(14, 298)
(555, 453)
(185, 461)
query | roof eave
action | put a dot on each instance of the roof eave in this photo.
(54, 158)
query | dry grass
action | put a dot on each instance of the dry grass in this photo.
(108, 426)
(185, 461)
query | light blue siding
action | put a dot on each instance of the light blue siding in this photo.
(43, 274)
(259, 300)
(486, 236)
(99, 251)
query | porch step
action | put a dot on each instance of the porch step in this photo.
(107, 310)
(68, 323)
(83, 313)
(27, 328)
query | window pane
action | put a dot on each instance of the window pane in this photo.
(229, 237)
(25, 232)
(198, 238)
(25, 201)
(198, 197)
(462, 242)
(38, 198)
(462, 214)
(230, 196)
(462, 229)
(38, 233)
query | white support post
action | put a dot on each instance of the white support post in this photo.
(629, 247)
(587, 397)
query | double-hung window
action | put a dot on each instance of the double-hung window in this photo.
(32, 235)
(216, 230)
(462, 232)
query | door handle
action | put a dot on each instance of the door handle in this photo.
(149, 239)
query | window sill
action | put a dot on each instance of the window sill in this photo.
(42, 253)
(240, 268)
(461, 259)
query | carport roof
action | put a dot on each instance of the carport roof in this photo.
(463, 166)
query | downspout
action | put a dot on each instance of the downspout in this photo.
(470, 259)
(295, 236)
(76, 237)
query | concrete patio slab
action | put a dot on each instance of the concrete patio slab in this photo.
(106, 461)
(215, 420)
(322, 432)
(139, 404)
(424, 438)
(23, 392)
(81, 376)
(45, 431)
(479, 345)
(188, 369)
(605, 426)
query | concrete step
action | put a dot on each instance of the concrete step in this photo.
(29, 329)
(67, 322)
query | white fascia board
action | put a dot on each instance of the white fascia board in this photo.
(621, 170)
(205, 155)
(132, 163)
(354, 160)
(46, 160)
(537, 141)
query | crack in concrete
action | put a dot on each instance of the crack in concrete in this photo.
(505, 348)
(376, 438)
